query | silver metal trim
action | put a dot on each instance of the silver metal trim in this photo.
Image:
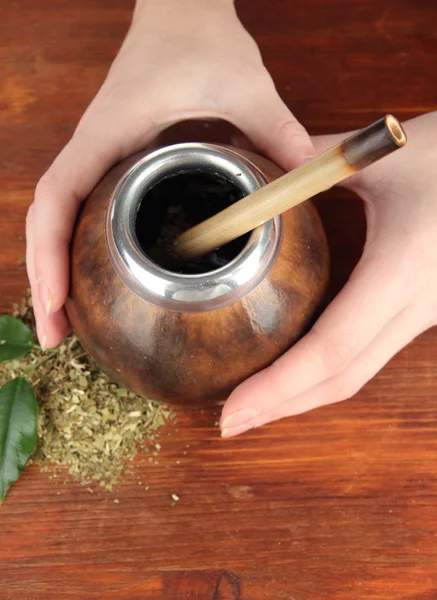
(180, 292)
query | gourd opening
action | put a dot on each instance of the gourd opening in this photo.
(180, 201)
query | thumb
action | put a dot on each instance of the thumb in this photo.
(350, 342)
(273, 129)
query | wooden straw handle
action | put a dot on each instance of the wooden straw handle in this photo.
(322, 172)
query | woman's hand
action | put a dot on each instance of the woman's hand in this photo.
(390, 298)
(180, 60)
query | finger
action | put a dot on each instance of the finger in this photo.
(272, 128)
(53, 329)
(240, 140)
(57, 198)
(396, 335)
(357, 315)
(95, 146)
(30, 266)
(50, 330)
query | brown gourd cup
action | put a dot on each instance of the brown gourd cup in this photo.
(191, 338)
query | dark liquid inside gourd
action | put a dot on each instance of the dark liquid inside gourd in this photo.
(179, 202)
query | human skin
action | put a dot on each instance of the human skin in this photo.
(194, 59)
(179, 60)
(390, 298)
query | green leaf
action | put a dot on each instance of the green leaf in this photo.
(18, 430)
(16, 339)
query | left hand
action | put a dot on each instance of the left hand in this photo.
(390, 298)
(180, 60)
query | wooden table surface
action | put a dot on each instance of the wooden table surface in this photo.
(340, 503)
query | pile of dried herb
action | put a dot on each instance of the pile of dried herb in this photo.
(85, 422)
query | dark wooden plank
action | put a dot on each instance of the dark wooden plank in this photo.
(338, 503)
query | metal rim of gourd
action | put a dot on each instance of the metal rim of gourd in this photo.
(182, 292)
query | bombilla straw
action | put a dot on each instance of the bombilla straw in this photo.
(329, 168)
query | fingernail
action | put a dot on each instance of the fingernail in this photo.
(240, 417)
(43, 342)
(239, 429)
(45, 297)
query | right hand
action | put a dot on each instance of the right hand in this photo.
(390, 298)
(180, 60)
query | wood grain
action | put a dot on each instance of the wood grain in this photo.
(335, 504)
